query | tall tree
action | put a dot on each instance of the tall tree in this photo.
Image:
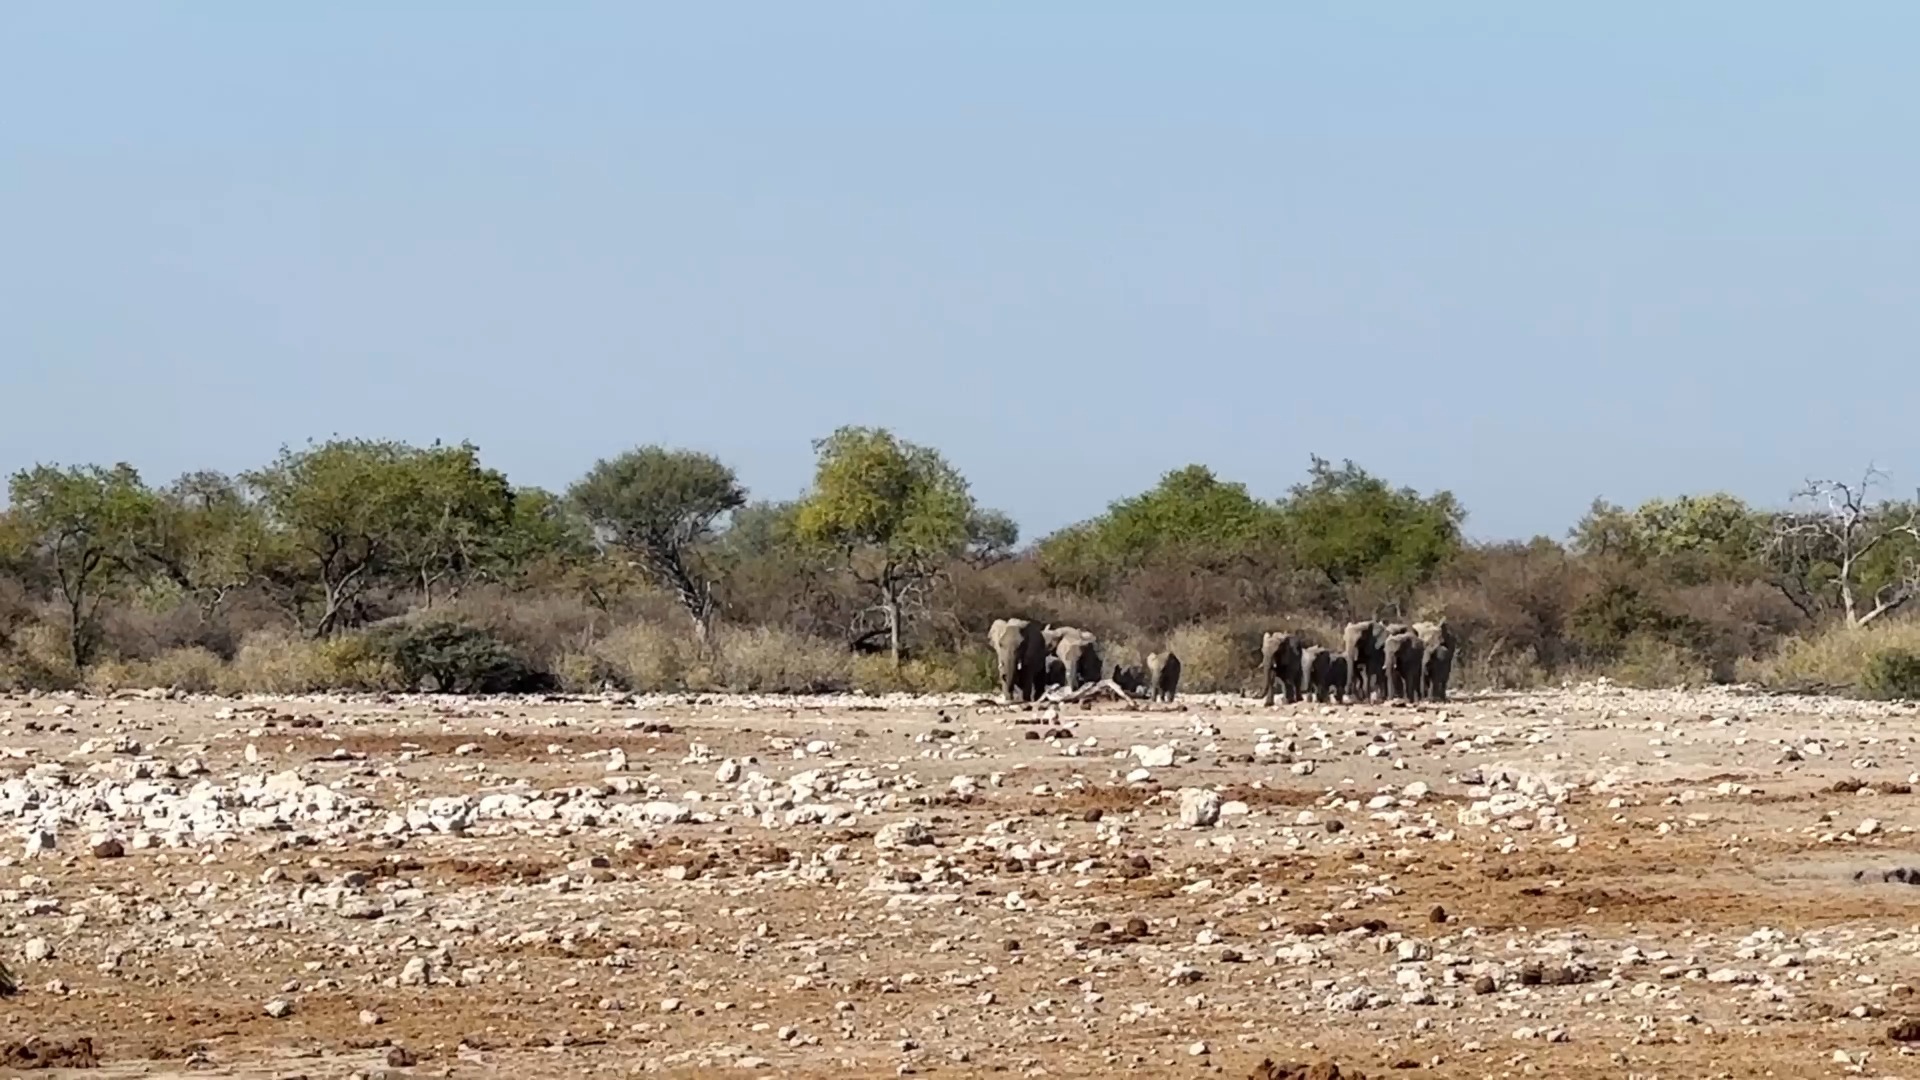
(1841, 542)
(359, 513)
(1351, 526)
(85, 521)
(892, 513)
(661, 505)
(205, 539)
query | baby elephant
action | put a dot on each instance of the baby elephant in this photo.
(1315, 663)
(1163, 675)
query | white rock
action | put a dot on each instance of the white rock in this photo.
(899, 834)
(1154, 757)
(1199, 807)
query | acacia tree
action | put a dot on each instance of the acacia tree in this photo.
(1352, 527)
(456, 512)
(205, 539)
(661, 506)
(357, 513)
(892, 514)
(84, 522)
(1843, 542)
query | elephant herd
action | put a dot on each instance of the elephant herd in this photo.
(1377, 661)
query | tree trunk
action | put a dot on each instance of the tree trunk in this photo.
(893, 629)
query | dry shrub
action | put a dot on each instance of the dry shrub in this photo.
(647, 657)
(274, 662)
(192, 669)
(945, 674)
(1210, 662)
(38, 657)
(1651, 664)
(774, 660)
(1836, 658)
(540, 626)
(356, 662)
(584, 673)
(1499, 667)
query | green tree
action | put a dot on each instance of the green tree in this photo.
(1693, 538)
(1190, 514)
(355, 514)
(893, 514)
(542, 530)
(457, 512)
(1349, 525)
(662, 505)
(205, 540)
(85, 522)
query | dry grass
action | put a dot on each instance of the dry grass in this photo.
(1837, 657)
(646, 657)
(1210, 660)
(770, 659)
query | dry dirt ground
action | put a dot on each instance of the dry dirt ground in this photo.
(1580, 883)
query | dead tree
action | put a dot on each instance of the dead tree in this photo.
(1840, 528)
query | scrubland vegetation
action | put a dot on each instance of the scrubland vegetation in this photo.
(373, 565)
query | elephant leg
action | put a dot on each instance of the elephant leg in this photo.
(1267, 684)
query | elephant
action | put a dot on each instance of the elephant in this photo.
(1132, 679)
(1314, 662)
(1163, 675)
(1403, 653)
(1280, 660)
(1337, 676)
(1079, 653)
(1020, 652)
(1437, 667)
(1366, 658)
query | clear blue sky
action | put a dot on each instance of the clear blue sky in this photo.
(1535, 253)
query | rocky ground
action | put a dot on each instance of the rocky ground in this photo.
(1583, 883)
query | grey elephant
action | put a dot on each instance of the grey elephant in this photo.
(1366, 658)
(1280, 662)
(1132, 679)
(1403, 654)
(1337, 676)
(1437, 660)
(1163, 675)
(1079, 653)
(1436, 670)
(1314, 664)
(1020, 653)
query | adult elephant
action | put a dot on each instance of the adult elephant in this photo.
(1315, 664)
(1163, 675)
(1280, 662)
(1020, 652)
(1079, 654)
(1403, 654)
(1365, 648)
(1439, 646)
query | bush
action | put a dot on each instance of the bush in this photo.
(773, 660)
(439, 656)
(38, 658)
(1837, 658)
(1651, 664)
(945, 674)
(1893, 673)
(646, 658)
(1210, 660)
(274, 662)
(192, 669)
